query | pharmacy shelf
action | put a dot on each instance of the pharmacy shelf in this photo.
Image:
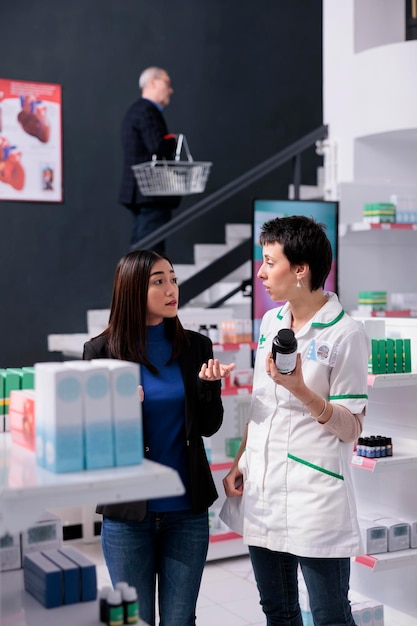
(26, 490)
(362, 226)
(223, 543)
(383, 381)
(19, 608)
(388, 560)
(400, 461)
(233, 347)
(395, 313)
(225, 546)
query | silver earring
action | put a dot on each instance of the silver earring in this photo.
(298, 284)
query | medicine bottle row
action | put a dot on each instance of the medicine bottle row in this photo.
(374, 447)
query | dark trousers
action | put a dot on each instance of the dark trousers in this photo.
(145, 221)
(168, 548)
(327, 582)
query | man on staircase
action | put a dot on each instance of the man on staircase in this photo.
(143, 132)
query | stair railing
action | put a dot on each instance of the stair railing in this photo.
(226, 264)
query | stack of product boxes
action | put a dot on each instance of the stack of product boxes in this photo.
(52, 573)
(82, 415)
(87, 415)
(379, 212)
(405, 209)
(381, 533)
(390, 356)
(45, 534)
(12, 378)
(57, 577)
(236, 331)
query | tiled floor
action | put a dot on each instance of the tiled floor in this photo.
(228, 593)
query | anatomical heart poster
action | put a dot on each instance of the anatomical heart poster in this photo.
(30, 141)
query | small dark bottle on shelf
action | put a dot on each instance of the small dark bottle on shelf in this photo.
(130, 605)
(103, 594)
(115, 616)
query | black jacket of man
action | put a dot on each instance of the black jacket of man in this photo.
(143, 129)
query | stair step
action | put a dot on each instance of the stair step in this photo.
(97, 320)
(235, 233)
(307, 192)
(205, 253)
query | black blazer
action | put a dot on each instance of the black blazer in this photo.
(143, 128)
(203, 417)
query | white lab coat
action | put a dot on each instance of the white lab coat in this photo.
(298, 495)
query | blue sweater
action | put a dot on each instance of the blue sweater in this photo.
(163, 411)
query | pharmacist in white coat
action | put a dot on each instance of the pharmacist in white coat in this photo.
(290, 481)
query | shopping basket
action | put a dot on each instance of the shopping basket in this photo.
(172, 178)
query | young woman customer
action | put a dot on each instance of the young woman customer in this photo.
(162, 541)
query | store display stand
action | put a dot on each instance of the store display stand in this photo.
(386, 486)
(27, 490)
(236, 401)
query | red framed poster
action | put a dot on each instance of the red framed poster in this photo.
(30, 141)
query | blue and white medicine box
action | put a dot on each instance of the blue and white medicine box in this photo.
(70, 575)
(43, 580)
(58, 418)
(87, 575)
(97, 414)
(126, 410)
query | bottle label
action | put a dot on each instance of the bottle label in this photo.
(116, 617)
(132, 613)
(286, 362)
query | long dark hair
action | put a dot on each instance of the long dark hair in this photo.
(126, 331)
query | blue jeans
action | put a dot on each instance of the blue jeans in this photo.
(170, 548)
(327, 582)
(145, 221)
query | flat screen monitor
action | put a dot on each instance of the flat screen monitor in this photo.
(325, 212)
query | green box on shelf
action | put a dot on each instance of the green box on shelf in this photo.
(407, 356)
(373, 365)
(376, 299)
(379, 212)
(390, 352)
(28, 377)
(232, 445)
(2, 392)
(399, 356)
(13, 380)
(382, 356)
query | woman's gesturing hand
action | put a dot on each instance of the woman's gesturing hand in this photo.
(214, 370)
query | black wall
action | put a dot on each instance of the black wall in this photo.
(248, 81)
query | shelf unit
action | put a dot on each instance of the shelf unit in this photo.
(21, 609)
(27, 490)
(361, 226)
(374, 257)
(223, 543)
(236, 402)
(389, 560)
(386, 486)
